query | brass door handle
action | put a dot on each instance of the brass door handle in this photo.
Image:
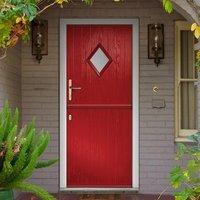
(71, 88)
(76, 88)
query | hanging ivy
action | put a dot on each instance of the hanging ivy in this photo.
(15, 18)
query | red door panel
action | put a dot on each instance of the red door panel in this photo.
(114, 86)
(99, 156)
(99, 131)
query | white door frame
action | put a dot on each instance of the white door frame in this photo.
(135, 99)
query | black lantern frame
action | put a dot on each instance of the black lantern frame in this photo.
(156, 42)
(39, 38)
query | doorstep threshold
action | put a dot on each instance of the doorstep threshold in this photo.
(99, 190)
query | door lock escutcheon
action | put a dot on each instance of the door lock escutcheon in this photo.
(71, 88)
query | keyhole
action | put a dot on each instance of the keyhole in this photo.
(70, 117)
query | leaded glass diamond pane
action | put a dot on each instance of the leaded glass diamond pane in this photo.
(99, 59)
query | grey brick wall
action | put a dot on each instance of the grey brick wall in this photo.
(10, 77)
(40, 90)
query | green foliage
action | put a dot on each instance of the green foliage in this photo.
(186, 179)
(198, 64)
(88, 2)
(38, 191)
(45, 163)
(9, 154)
(198, 60)
(20, 150)
(167, 4)
(16, 16)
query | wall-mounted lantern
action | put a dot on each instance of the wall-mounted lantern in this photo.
(156, 42)
(39, 38)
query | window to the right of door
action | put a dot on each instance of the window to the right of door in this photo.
(185, 82)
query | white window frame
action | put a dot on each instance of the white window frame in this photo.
(135, 106)
(180, 134)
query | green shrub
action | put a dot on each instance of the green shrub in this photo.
(20, 150)
(186, 179)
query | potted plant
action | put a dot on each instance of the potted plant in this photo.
(20, 150)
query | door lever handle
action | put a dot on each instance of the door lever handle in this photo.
(71, 88)
(76, 88)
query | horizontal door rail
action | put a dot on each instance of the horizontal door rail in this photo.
(99, 106)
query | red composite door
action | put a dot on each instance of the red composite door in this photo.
(99, 106)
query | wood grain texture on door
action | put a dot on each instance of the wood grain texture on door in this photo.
(99, 132)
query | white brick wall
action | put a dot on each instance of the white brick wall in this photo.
(40, 88)
(10, 77)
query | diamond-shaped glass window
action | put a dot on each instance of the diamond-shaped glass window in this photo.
(99, 59)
